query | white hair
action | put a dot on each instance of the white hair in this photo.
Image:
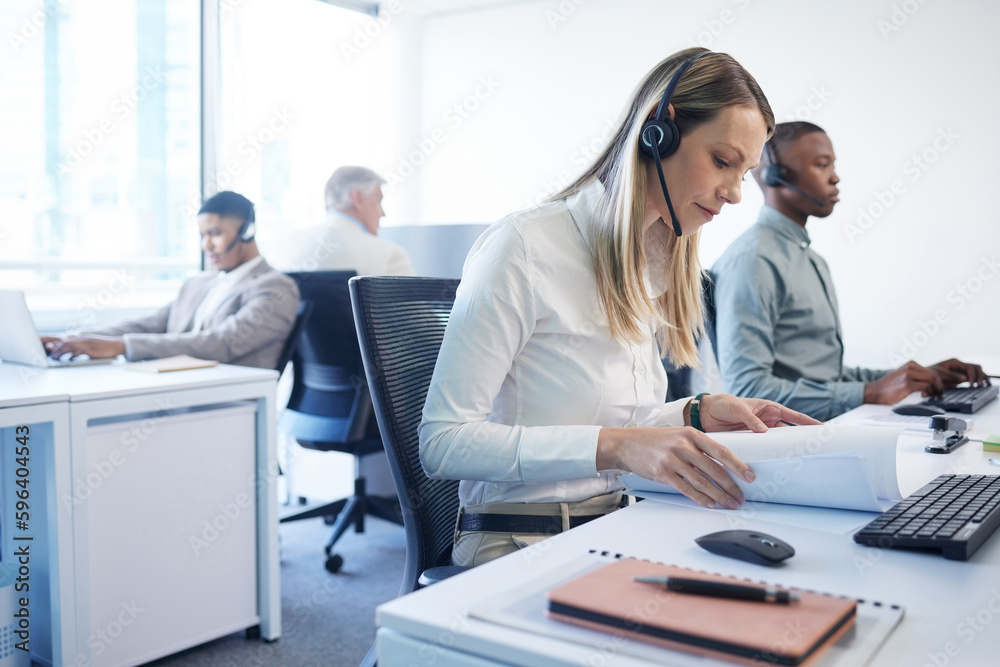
(346, 180)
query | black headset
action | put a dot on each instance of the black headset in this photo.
(660, 137)
(247, 231)
(776, 175)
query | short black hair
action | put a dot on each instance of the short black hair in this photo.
(786, 133)
(229, 204)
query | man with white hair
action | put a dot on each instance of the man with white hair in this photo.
(348, 239)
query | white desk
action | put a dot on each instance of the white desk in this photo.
(61, 407)
(952, 609)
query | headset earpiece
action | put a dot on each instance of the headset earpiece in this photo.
(249, 227)
(660, 138)
(775, 175)
(249, 231)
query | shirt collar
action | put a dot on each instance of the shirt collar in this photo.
(241, 271)
(582, 206)
(784, 226)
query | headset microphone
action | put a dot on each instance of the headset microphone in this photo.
(660, 137)
(247, 230)
(775, 175)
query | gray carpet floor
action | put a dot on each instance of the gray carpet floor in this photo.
(327, 620)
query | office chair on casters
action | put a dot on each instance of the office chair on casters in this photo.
(401, 323)
(329, 408)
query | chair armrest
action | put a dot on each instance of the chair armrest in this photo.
(432, 575)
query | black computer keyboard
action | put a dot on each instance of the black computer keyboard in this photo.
(967, 399)
(953, 514)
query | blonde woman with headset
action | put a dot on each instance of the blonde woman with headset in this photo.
(549, 382)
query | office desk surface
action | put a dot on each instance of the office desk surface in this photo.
(952, 609)
(25, 385)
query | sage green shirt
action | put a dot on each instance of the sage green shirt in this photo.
(778, 323)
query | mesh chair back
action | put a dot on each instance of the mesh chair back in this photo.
(401, 323)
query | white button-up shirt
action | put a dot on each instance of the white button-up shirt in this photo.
(528, 371)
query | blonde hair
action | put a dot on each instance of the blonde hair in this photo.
(713, 82)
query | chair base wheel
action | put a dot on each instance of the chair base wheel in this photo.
(334, 563)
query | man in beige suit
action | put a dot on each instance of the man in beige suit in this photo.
(240, 313)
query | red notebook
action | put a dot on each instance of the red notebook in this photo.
(742, 631)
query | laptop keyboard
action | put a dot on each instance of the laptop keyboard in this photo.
(965, 399)
(953, 514)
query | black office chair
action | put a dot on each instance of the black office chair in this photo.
(401, 323)
(301, 317)
(708, 306)
(679, 380)
(329, 408)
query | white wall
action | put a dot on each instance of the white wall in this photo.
(886, 79)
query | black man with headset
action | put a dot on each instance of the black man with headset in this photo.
(239, 312)
(777, 317)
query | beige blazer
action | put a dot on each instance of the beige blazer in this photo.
(248, 329)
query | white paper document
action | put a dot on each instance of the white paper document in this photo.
(831, 465)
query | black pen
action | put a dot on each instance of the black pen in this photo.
(719, 589)
(787, 422)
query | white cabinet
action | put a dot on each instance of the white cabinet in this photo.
(167, 508)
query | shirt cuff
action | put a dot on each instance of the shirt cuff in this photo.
(559, 453)
(672, 413)
(847, 396)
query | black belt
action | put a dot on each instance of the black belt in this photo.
(519, 523)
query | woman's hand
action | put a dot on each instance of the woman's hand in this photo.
(724, 412)
(678, 457)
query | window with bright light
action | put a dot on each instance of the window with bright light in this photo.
(301, 83)
(100, 131)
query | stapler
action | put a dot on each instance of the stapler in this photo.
(944, 443)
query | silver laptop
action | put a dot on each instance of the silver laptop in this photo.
(19, 340)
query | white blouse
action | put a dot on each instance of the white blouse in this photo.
(528, 372)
